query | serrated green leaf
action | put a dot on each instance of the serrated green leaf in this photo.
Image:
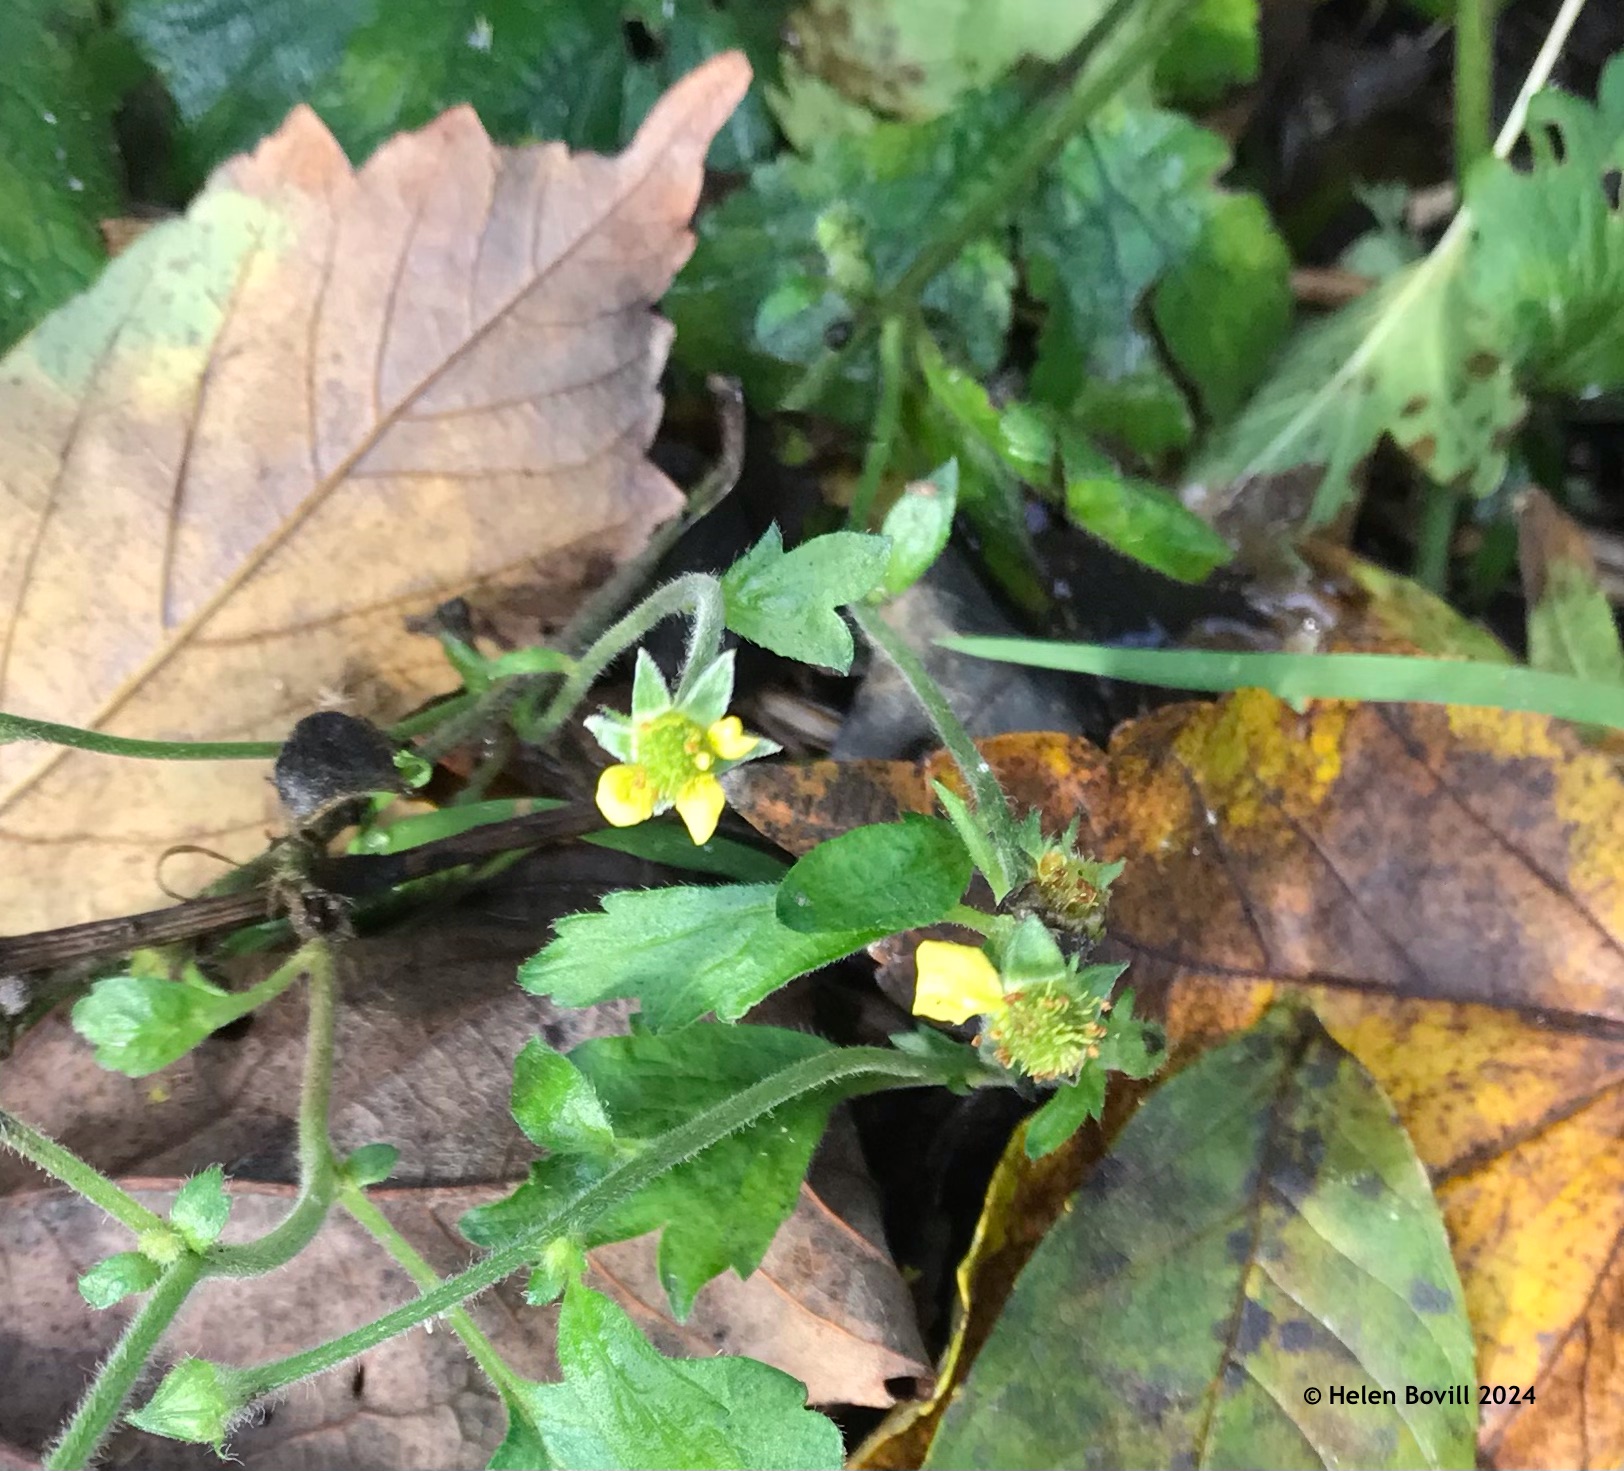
(566, 69)
(786, 601)
(1145, 522)
(1262, 1227)
(886, 876)
(1572, 630)
(201, 1208)
(1072, 1106)
(557, 1107)
(622, 1405)
(682, 952)
(717, 1211)
(117, 1277)
(1224, 309)
(1547, 251)
(1409, 359)
(788, 261)
(1126, 200)
(58, 168)
(138, 1024)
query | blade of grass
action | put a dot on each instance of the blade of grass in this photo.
(1390, 677)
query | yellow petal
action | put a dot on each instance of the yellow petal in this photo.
(625, 795)
(956, 982)
(700, 807)
(729, 739)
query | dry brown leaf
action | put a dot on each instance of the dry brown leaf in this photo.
(428, 1030)
(323, 402)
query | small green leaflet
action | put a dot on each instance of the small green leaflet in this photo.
(684, 952)
(786, 601)
(717, 1211)
(886, 876)
(555, 1106)
(201, 1207)
(115, 1278)
(141, 1023)
(622, 1404)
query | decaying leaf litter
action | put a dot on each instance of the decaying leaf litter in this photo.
(1428, 896)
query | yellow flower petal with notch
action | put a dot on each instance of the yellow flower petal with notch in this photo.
(956, 982)
(700, 807)
(729, 739)
(625, 795)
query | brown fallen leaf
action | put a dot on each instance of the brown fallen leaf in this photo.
(431, 1020)
(275, 430)
(1446, 887)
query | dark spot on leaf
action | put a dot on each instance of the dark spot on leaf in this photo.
(642, 45)
(1320, 1069)
(1483, 364)
(1414, 406)
(1234, 1377)
(1252, 1328)
(1238, 1246)
(1295, 1171)
(1610, 182)
(1368, 1184)
(836, 335)
(1554, 139)
(1110, 1263)
(1108, 1175)
(1426, 1298)
(1425, 450)
(1296, 1335)
(358, 1380)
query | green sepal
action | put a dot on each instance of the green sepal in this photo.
(1072, 1106)
(201, 1208)
(115, 1278)
(191, 1403)
(371, 1164)
(973, 834)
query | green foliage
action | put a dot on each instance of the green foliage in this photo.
(682, 952)
(716, 1211)
(58, 167)
(786, 601)
(1296, 1245)
(191, 1402)
(1070, 1107)
(141, 1023)
(201, 1208)
(117, 1277)
(1214, 49)
(622, 1404)
(918, 526)
(566, 69)
(556, 1106)
(371, 1164)
(785, 265)
(1571, 628)
(885, 876)
(1547, 256)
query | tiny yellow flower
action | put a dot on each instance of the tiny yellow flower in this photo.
(956, 982)
(675, 762)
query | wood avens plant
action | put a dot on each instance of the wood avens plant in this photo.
(610, 1164)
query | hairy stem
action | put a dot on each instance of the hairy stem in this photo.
(82, 1178)
(378, 1226)
(318, 1174)
(887, 420)
(573, 1215)
(21, 728)
(104, 1401)
(990, 803)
